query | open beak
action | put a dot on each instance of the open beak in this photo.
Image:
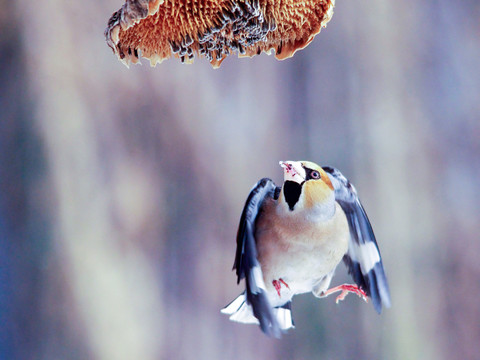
(293, 171)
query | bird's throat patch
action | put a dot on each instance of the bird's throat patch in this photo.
(292, 191)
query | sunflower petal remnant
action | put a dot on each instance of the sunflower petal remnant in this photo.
(214, 29)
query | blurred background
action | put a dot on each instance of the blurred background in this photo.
(121, 189)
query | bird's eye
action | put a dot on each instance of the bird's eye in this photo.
(315, 175)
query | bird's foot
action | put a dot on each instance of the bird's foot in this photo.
(345, 289)
(277, 284)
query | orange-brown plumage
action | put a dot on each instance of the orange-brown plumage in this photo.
(291, 239)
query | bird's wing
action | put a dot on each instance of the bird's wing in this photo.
(363, 258)
(246, 262)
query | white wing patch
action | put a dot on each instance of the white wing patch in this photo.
(366, 255)
(257, 277)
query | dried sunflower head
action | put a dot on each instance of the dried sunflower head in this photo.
(158, 29)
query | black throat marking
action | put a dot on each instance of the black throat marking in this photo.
(292, 191)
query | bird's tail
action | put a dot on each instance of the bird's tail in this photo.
(241, 311)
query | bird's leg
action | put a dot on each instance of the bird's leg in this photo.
(277, 284)
(345, 289)
(284, 283)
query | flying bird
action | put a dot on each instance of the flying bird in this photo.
(290, 240)
(214, 29)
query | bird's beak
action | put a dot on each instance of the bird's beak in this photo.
(293, 171)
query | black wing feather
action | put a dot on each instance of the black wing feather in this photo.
(246, 262)
(363, 258)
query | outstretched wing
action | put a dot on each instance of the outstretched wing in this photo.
(246, 262)
(363, 258)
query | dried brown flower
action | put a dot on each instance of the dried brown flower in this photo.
(158, 29)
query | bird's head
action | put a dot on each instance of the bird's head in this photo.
(306, 186)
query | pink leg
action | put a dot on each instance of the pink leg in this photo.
(277, 284)
(284, 283)
(345, 289)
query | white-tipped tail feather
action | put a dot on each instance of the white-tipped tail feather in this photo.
(284, 318)
(240, 311)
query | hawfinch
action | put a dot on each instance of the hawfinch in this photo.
(291, 239)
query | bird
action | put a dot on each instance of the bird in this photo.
(290, 240)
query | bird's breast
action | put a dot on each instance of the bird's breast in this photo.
(300, 252)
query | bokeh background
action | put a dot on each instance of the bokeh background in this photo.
(121, 189)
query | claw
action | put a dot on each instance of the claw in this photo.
(277, 284)
(284, 283)
(345, 289)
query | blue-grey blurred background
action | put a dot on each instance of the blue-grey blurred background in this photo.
(121, 189)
